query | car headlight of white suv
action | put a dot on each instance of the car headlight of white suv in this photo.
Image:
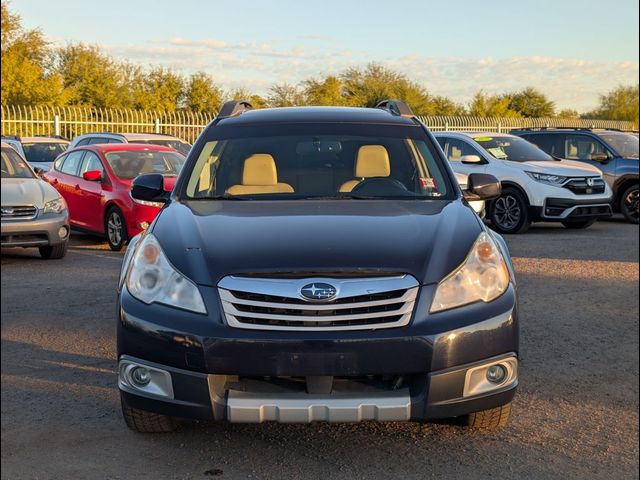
(549, 179)
(483, 276)
(152, 279)
(56, 205)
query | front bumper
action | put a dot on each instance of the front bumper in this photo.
(40, 231)
(204, 358)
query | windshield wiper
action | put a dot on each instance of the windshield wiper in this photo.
(221, 197)
(342, 196)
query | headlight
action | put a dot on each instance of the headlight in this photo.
(151, 278)
(555, 180)
(482, 276)
(54, 206)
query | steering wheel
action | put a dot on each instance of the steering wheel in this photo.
(380, 186)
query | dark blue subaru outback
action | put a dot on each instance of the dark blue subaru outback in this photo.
(316, 264)
(612, 151)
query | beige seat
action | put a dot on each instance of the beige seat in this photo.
(372, 161)
(259, 175)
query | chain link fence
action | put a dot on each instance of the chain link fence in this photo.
(69, 122)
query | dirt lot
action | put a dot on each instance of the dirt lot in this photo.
(575, 416)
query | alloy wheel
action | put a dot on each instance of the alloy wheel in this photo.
(114, 228)
(507, 212)
(631, 204)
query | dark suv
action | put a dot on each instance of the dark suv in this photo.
(612, 151)
(316, 264)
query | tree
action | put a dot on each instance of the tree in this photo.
(446, 107)
(568, 113)
(92, 78)
(484, 105)
(25, 57)
(376, 83)
(256, 101)
(619, 104)
(530, 103)
(202, 94)
(161, 89)
(285, 95)
(327, 91)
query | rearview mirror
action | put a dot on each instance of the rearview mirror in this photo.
(600, 157)
(92, 175)
(39, 172)
(481, 186)
(471, 159)
(149, 187)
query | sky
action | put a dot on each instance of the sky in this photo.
(572, 50)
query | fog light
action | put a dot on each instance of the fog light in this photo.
(144, 225)
(140, 376)
(62, 232)
(496, 373)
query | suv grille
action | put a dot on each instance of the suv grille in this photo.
(24, 212)
(585, 185)
(276, 304)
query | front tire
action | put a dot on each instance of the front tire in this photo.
(142, 421)
(579, 225)
(509, 213)
(489, 419)
(116, 229)
(53, 252)
(629, 204)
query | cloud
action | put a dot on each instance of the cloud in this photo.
(571, 83)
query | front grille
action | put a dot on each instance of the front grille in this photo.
(276, 304)
(585, 186)
(24, 212)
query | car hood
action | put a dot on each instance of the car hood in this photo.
(566, 168)
(27, 191)
(207, 240)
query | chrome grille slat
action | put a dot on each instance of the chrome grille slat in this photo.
(243, 308)
(19, 212)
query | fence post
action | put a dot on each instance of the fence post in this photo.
(499, 127)
(156, 125)
(446, 126)
(56, 125)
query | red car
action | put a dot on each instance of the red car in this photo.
(95, 180)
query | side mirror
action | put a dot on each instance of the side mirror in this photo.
(92, 175)
(600, 157)
(149, 187)
(471, 159)
(39, 171)
(481, 186)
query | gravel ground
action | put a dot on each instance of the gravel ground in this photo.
(575, 416)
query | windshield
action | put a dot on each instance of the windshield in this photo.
(13, 166)
(43, 152)
(312, 161)
(512, 148)
(129, 164)
(625, 144)
(179, 145)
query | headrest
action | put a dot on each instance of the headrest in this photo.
(259, 169)
(372, 161)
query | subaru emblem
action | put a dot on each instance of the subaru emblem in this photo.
(318, 292)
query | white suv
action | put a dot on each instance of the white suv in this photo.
(535, 186)
(152, 138)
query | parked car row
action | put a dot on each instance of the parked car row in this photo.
(91, 178)
(572, 176)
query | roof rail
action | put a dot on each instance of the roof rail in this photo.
(397, 107)
(11, 137)
(589, 129)
(234, 108)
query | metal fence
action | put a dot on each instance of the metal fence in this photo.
(71, 121)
